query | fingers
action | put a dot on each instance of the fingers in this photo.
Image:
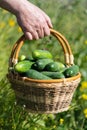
(48, 21)
(39, 30)
(28, 35)
(37, 33)
(35, 27)
(46, 31)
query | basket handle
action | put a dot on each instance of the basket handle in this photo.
(69, 59)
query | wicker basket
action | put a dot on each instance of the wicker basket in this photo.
(44, 96)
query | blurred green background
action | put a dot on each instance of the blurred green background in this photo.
(69, 17)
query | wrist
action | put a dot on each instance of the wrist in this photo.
(14, 6)
(20, 4)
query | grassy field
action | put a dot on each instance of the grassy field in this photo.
(70, 18)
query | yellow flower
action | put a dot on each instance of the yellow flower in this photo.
(1, 121)
(2, 25)
(83, 85)
(19, 29)
(85, 112)
(35, 128)
(86, 42)
(61, 121)
(11, 22)
(4, 11)
(54, 126)
(85, 115)
(69, 107)
(86, 57)
(84, 96)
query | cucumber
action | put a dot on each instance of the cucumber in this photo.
(41, 63)
(71, 71)
(34, 74)
(21, 57)
(30, 59)
(54, 75)
(41, 54)
(23, 66)
(55, 66)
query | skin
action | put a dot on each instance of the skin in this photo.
(34, 22)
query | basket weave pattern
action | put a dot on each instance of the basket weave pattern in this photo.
(44, 96)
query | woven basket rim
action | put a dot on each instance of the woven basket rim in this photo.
(25, 79)
(53, 80)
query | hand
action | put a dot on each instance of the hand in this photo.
(33, 21)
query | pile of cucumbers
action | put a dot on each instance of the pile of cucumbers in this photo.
(42, 66)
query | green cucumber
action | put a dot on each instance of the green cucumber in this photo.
(41, 63)
(23, 66)
(21, 57)
(71, 71)
(55, 66)
(54, 75)
(41, 54)
(34, 74)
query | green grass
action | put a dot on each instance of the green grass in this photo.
(69, 18)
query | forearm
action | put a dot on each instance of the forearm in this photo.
(33, 21)
(12, 6)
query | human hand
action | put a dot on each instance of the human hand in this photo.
(33, 21)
